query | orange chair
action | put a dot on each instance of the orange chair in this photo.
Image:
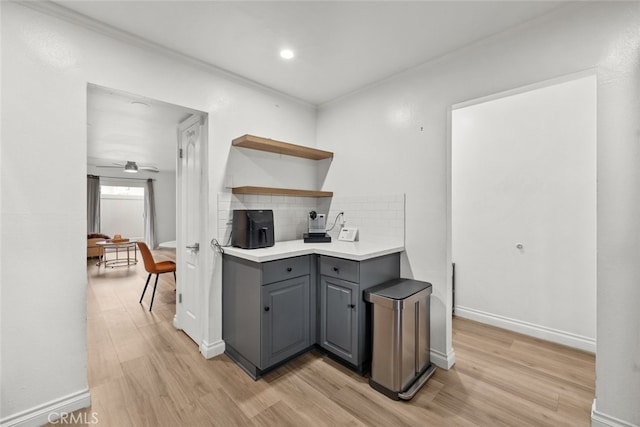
(153, 267)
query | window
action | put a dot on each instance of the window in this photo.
(122, 211)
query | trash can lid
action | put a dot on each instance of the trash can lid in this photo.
(397, 289)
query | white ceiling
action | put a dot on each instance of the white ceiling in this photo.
(124, 127)
(340, 47)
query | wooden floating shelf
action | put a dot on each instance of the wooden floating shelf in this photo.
(273, 146)
(281, 191)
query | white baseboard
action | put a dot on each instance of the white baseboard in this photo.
(441, 360)
(50, 411)
(599, 419)
(209, 350)
(176, 323)
(549, 334)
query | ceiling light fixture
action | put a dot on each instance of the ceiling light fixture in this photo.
(131, 167)
(286, 54)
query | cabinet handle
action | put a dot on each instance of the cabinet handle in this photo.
(351, 306)
(266, 308)
(289, 269)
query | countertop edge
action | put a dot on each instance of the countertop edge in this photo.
(318, 249)
(360, 257)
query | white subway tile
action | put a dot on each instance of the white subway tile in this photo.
(250, 198)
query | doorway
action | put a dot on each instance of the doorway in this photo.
(523, 202)
(125, 129)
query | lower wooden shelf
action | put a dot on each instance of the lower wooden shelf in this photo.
(281, 191)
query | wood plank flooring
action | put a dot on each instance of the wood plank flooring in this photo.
(142, 372)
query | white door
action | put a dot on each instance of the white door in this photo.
(190, 277)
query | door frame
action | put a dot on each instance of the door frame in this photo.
(450, 270)
(204, 288)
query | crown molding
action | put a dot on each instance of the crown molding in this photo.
(55, 10)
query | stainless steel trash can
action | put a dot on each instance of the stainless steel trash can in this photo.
(400, 361)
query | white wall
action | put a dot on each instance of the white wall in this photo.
(46, 66)
(397, 135)
(524, 172)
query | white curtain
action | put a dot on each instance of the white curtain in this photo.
(150, 215)
(93, 204)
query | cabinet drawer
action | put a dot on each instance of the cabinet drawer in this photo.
(340, 268)
(283, 269)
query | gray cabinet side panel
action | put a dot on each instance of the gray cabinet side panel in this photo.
(241, 307)
(378, 270)
(373, 272)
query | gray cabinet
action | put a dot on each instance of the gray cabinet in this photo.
(344, 316)
(266, 311)
(275, 310)
(285, 320)
(339, 317)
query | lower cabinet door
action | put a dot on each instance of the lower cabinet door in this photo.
(285, 320)
(338, 318)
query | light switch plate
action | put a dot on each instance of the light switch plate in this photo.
(348, 234)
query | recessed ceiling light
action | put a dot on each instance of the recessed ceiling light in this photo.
(286, 54)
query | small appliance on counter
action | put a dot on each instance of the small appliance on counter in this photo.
(317, 229)
(252, 229)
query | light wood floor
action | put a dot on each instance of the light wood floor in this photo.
(143, 372)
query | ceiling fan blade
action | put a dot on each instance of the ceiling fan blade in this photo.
(131, 165)
(148, 168)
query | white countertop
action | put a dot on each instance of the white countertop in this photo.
(356, 251)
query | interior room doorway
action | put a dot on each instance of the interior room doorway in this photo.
(524, 210)
(137, 138)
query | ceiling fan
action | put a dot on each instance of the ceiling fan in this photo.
(131, 167)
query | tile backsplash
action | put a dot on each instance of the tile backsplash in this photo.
(377, 217)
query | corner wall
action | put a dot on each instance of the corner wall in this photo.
(396, 134)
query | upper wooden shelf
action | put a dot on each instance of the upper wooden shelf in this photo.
(273, 146)
(281, 191)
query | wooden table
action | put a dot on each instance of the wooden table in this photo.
(117, 247)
